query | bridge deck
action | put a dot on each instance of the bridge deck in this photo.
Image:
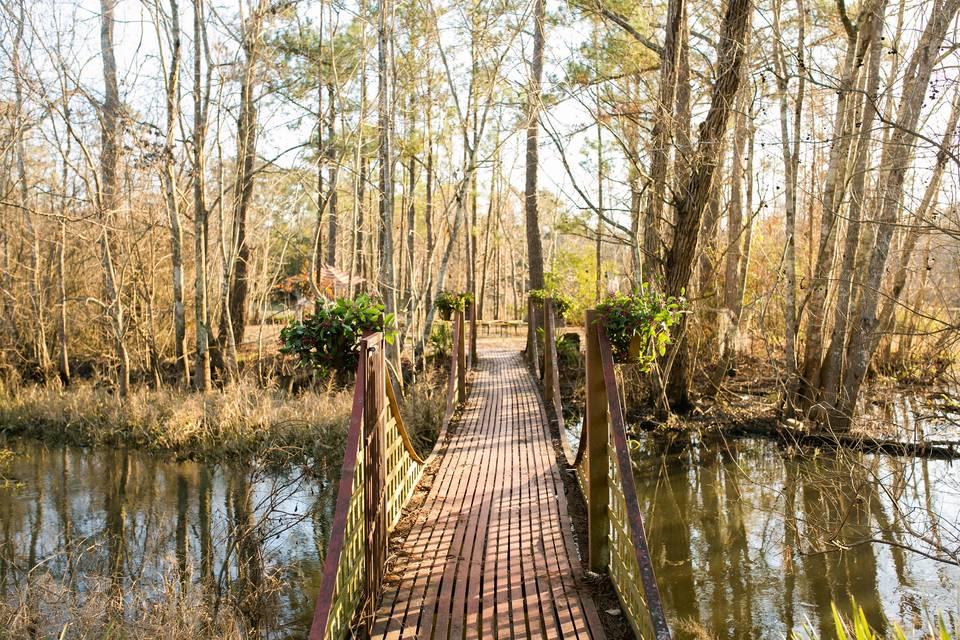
(490, 553)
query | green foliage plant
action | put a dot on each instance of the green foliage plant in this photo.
(329, 340)
(447, 302)
(441, 341)
(857, 628)
(562, 304)
(638, 324)
(568, 351)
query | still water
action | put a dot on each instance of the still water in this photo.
(750, 539)
(140, 528)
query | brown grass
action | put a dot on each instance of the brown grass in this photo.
(237, 421)
(47, 608)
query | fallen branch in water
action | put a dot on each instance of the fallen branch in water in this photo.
(933, 449)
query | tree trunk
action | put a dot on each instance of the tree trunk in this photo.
(332, 165)
(662, 129)
(834, 182)
(172, 96)
(236, 321)
(111, 139)
(316, 256)
(790, 150)
(692, 197)
(831, 369)
(385, 131)
(732, 302)
(41, 354)
(200, 102)
(926, 204)
(896, 159)
(532, 156)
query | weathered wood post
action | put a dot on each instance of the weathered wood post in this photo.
(461, 359)
(374, 465)
(551, 370)
(597, 456)
(533, 353)
(473, 333)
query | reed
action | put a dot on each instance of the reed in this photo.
(236, 421)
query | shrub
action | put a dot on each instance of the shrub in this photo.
(638, 325)
(568, 350)
(449, 301)
(561, 302)
(329, 340)
(441, 341)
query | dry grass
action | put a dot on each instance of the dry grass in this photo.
(422, 408)
(48, 609)
(237, 421)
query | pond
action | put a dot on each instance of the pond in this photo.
(751, 539)
(88, 529)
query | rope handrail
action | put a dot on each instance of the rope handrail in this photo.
(628, 488)
(617, 537)
(380, 470)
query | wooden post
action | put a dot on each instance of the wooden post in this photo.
(548, 364)
(597, 456)
(532, 351)
(461, 359)
(473, 333)
(551, 370)
(374, 466)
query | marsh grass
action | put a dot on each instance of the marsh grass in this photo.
(48, 608)
(235, 422)
(422, 409)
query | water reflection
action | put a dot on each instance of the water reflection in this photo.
(140, 529)
(751, 540)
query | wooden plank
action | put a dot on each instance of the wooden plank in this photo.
(489, 553)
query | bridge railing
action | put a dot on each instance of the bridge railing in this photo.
(617, 541)
(380, 470)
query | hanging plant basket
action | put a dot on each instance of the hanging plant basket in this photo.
(329, 340)
(638, 325)
(561, 302)
(449, 301)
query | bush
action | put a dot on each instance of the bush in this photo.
(568, 350)
(329, 340)
(561, 302)
(441, 341)
(449, 301)
(642, 320)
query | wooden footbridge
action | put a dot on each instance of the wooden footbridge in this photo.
(486, 547)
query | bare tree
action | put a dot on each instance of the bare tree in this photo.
(201, 100)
